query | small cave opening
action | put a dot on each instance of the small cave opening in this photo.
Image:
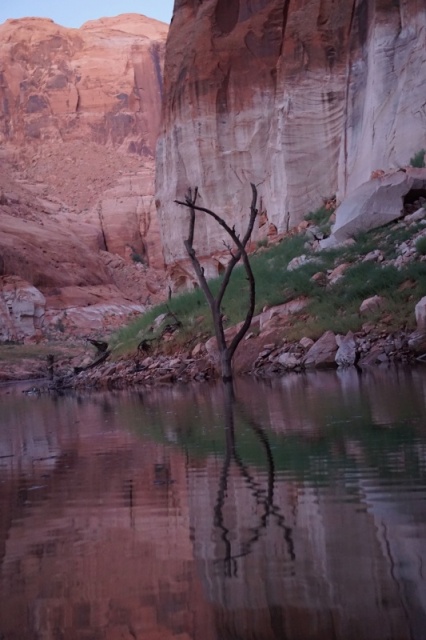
(414, 200)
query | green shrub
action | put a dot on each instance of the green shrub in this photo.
(418, 160)
(136, 257)
(421, 246)
(416, 272)
(262, 243)
(319, 216)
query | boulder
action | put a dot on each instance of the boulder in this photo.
(323, 352)
(297, 262)
(347, 351)
(375, 356)
(197, 350)
(335, 274)
(279, 312)
(376, 203)
(306, 343)
(288, 360)
(415, 216)
(22, 309)
(374, 256)
(320, 278)
(369, 305)
(417, 342)
(420, 311)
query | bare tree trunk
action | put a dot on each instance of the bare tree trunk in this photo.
(226, 365)
(226, 352)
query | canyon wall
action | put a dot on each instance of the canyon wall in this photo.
(305, 98)
(80, 113)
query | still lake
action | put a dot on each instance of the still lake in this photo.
(298, 512)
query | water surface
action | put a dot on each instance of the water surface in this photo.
(297, 513)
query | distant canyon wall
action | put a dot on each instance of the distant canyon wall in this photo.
(101, 82)
(305, 98)
(80, 113)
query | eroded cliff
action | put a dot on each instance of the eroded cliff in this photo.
(305, 98)
(79, 118)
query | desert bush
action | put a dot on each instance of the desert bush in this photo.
(136, 257)
(319, 216)
(418, 160)
(421, 246)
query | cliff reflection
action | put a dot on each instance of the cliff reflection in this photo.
(295, 512)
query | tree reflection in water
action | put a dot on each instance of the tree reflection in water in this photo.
(263, 497)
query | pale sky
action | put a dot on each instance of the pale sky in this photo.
(75, 12)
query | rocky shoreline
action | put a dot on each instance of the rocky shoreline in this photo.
(369, 347)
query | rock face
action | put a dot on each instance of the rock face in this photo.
(305, 99)
(101, 83)
(376, 203)
(79, 118)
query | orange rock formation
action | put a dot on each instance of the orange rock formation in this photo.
(79, 118)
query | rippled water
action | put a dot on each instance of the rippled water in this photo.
(297, 512)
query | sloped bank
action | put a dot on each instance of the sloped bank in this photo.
(264, 353)
(263, 356)
(362, 303)
(378, 337)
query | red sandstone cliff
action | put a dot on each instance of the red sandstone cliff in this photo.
(79, 117)
(303, 97)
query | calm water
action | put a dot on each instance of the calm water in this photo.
(298, 512)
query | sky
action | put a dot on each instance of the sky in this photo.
(74, 13)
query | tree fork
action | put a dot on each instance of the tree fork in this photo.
(215, 303)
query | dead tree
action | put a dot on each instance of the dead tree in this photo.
(237, 253)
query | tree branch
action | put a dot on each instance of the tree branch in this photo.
(215, 303)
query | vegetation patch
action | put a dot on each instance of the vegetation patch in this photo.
(334, 306)
(418, 160)
(321, 218)
(421, 246)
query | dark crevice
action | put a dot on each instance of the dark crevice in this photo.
(284, 24)
(102, 227)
